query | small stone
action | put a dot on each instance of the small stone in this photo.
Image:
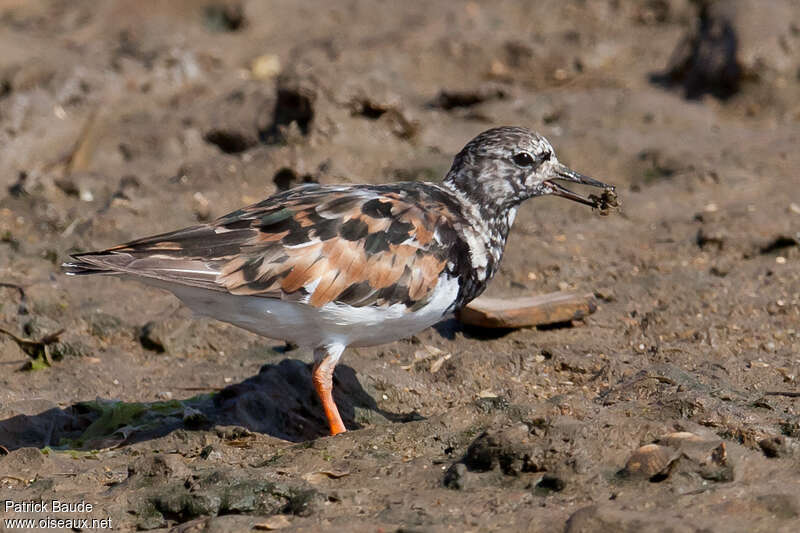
(650, 460)
(456, 476)
(201, 207)
(265, 67)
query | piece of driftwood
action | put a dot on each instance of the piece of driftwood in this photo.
(527, 311)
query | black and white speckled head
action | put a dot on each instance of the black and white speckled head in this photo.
(503, 167)
(492, 175)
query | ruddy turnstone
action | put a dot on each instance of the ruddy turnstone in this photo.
(331, 266)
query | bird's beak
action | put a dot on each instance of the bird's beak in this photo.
(562, 172)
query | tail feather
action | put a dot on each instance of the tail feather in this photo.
(78, 267)
(193, 272)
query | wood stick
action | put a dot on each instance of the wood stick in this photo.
(527, 311)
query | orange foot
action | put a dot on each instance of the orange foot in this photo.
(322, 376)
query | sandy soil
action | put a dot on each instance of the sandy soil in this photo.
(123, 119)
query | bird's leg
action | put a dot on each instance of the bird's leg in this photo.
(325, 359)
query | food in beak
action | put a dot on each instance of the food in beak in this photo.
(604, 202)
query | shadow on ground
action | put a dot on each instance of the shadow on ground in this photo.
(280, 401)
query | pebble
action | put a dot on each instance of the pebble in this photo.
(265, 67)
(201, 207)
(650, 460)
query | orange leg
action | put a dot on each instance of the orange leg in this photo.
(325, 359)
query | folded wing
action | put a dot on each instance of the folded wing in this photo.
(356, 245)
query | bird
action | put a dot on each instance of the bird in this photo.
(331, 266)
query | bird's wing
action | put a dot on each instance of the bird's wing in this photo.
(356, 245)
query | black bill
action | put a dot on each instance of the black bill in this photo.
(564, 173)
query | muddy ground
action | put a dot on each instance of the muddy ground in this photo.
(122, 119)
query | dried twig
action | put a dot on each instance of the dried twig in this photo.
(35, 348)
(14, 286)
(788, 394)
(14, 478)
(78, 156)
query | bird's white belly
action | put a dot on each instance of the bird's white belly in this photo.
(306, 325)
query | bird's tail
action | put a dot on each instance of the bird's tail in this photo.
(79, 267)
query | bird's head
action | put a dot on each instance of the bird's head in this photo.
(505, 166)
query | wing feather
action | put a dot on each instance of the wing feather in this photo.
(367, 245)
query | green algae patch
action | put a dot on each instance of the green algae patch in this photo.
(118, 421)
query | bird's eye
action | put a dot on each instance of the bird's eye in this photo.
(523, 159)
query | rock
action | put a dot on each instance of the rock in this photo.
(40, 326)
(61, 350)
(687, 453)
(265, 67)
(201, 207)
(509, 450)
(456, 477)
(23, 462)
(174, 336)
(650, 460)
(103, 326)
(162, 466)
(216, 493)
(496, 457)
